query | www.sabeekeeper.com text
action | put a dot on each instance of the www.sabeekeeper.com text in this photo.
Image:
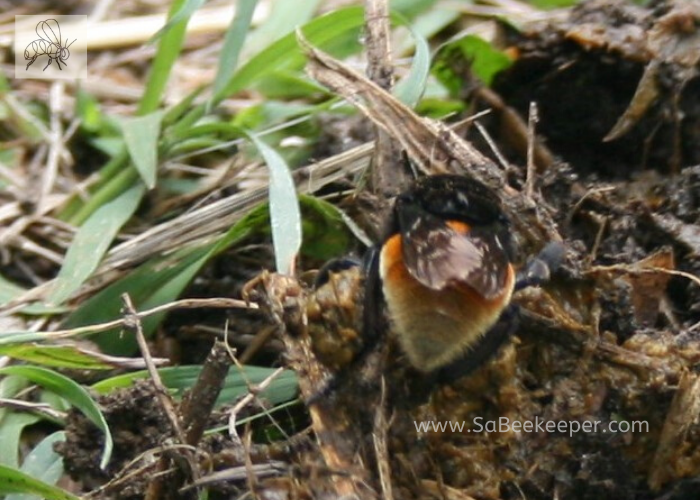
(505, 424)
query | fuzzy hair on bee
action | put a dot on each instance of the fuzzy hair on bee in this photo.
(445, 269)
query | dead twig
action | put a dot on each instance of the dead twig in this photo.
(515, 129)
(602, 222)
(431, 144)
(157, 487)
(133, 322)
(247, 399)
(30, 407)
(56, 146)
(381, 447)
(260, 471)
(492, 144)
(589, 194)
(630, 269)
(130, 472)
(682, 416)
(533, 118)
(199, 402)
(122, 322)
(338, 437)
(388, 176)
(378, 43)
(259, 340)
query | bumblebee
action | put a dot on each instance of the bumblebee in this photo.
(443, 276)
(445, 273)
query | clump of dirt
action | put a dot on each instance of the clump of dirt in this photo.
(137, 423)
(616, 84)
(142, 435)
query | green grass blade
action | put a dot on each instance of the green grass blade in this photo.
(186, 121)
(410, 90)
(92, 241)
(170, 291)
(233, 43)
(285, 216)
(16, 337)
(181, 378)
(141, 134)
(57, 356)
(71, 392)
(285, 85)
(326, 234)
(175, 113)
(14, 481)
(13, 425)
(285, 16)
(169, 47)
(554, 4)
(429, 25)
(42, 463)
(410, 8)
(285, 54)
(183, 14)
(144, 285)
(140, 285)
(9, 291)
(257, 219)
(114, 177)
(482, 58)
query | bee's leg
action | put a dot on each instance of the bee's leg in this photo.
(31, 61)
(48, 64)
(485, 348)
(539, 270)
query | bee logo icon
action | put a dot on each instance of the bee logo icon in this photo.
(49, 44)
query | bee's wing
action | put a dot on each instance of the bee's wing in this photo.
(438, 256)
(50, 31)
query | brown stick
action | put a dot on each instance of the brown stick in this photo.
(199, 403)
(388, 177)
(339, 438)
(378, 43)
(381, 446)
(533, 118)
(681, 418)
(133, 322)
